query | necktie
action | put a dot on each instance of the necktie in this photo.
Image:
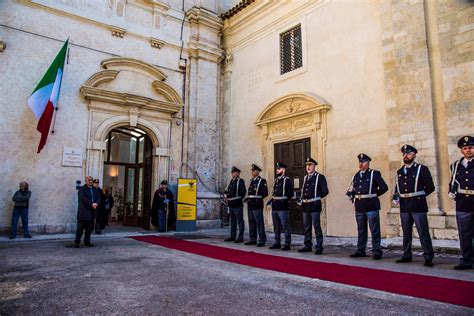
(92, 195)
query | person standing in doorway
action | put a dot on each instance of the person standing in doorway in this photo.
(100, 211)
(235, 192)
(367, 185)
(88, 202)
(282, 193)
(163, 200)
(313, 190)
(413, 184)
(461, 189)
(108, 204)
(21, 199)
(257, 191)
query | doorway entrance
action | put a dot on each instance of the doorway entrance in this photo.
(128, 175)
(294, 154)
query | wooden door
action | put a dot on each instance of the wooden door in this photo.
(294, 155)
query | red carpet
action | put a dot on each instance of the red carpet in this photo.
(428, 287)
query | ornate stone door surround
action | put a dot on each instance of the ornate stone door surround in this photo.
(292, 117)
(150, 107)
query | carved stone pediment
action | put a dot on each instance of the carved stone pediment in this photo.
(126, 82)
(289, 107)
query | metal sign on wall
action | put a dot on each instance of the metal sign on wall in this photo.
(72, 157)
(186, 209)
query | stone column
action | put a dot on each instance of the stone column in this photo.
(95, 159)
(414, 108)
(202, 118)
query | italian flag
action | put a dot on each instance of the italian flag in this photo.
(44, 98)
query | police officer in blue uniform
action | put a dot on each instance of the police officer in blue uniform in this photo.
(313, 190)
(461, 189)
(282, 193)
(235, 192)
(257, 191)
(366, 186)
(413, 184)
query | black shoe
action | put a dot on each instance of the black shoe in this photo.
(318, 252)
(428, 263)
(229, 239)
(12, 237)
(462, 267)
(403, 260)
(260, 244)
(89, 245)
(286, 247)
(76, 245)
(239, 241)
(98, 233)
(275, 246)
(249, 243)
(358, 255)
(28, 236)
(304, 249)
(377, 257)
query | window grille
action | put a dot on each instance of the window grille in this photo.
(291, 52)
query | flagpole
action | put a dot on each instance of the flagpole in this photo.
(60, 84)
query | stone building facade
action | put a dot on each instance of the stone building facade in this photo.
(203, 79)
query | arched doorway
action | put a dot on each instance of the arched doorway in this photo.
(294, 127)
(128, 175)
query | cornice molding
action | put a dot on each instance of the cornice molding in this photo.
(247, 23)
(128, 100)
(205, 18)
(121, 63)
(291, 106)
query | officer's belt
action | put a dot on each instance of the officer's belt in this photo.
(311, 200)
(469, 192)
(413, 194)
(234, 198)
(280, 198)
(365, 196)
(255, 197)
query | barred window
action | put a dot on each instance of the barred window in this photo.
(291, 51)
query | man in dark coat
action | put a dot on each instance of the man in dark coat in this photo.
(257, 191)
(461, 189)
(235, 192)
(163, 204)
(88, 201)
(313, 190)
(366, 187)
(282, 193)
(413, 184)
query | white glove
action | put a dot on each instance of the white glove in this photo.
(451, 195)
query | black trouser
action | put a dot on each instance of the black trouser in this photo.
(421, 222)
(257, 225)
(310, 220)
(281, 222)
(465, 221)
(374, 224)
(237, 218)
(81, 226)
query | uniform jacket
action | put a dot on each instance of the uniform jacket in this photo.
(86, 196)
(261, 184)
(282, 205)
(465, 180)
(233, 191)
(406, 184)
(159, 204)
(307, 192)
(361, 184)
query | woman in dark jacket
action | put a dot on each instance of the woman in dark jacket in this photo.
(101, 212)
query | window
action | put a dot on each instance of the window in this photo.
(291, 51)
